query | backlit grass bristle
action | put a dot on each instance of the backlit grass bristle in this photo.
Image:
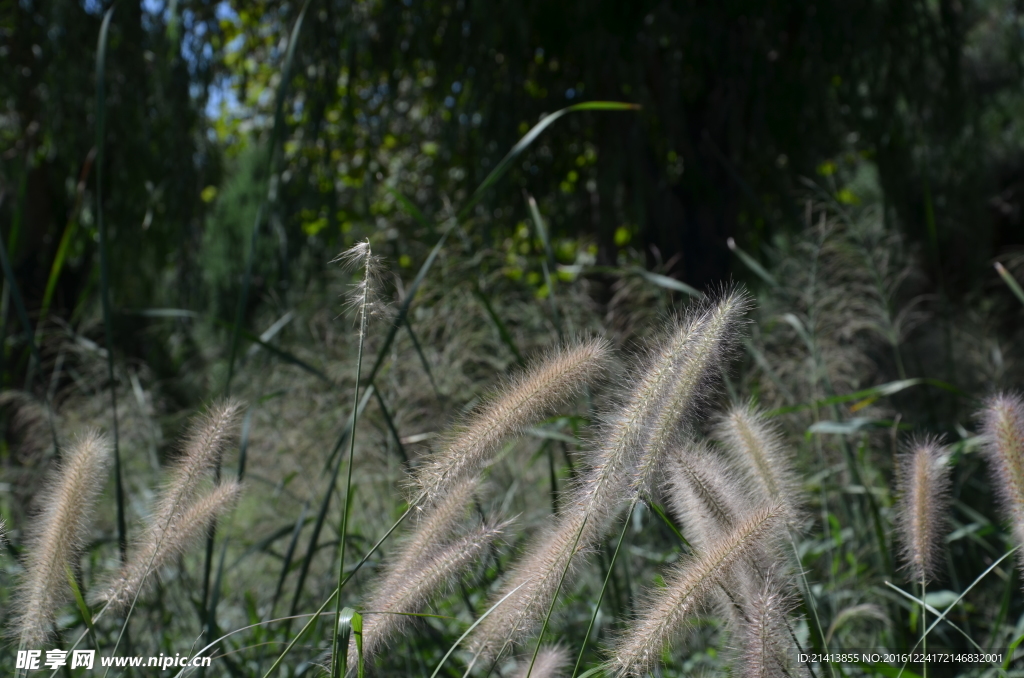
(756, 445)
(58, 534)
(922, 481)
(525, 399)
(551, 662)
(384, 618)
(669, 610)
(705, 338)
(160, 544)
(1002, 422)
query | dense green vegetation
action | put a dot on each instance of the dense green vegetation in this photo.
(177, 178)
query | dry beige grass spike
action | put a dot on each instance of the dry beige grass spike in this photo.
(922, 482)
(157, 547)
(711, 331)
(59, 533)
(768, 649)
(526, 398)
(430, 539)
(756, 445)
(670, 609)
(704, 493)
(1002, 423)
(552, 662)
(209, 435)
(384, 618)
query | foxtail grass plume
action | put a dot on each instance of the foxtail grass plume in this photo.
(551, 662)
(209, 436)
(59, 533)
(669, 610)
(387, 614)
(704, 493)
(706, 338)
(434, 526)
(160, 544)
(768, 649)
(1002, 421)
(365, 294)
(522, 401)
(669, 385)
(756, 446)
(529, 588)
(430, 539)
(922, 484)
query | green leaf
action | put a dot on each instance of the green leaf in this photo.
(350, 623)
(667, 282)
(752, 263)
(502, 167)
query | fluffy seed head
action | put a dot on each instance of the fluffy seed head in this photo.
(705, 494)
(756, 446)
(383, 619)
(210, 434)
(552, 662)
(430, 541)
(364, 295)
(922, 482)
(159, 544)
(669, 610)
(768, 650)
(530, 587)
(59, 534)
(1002, 423)
(704, 339)
(524, 400)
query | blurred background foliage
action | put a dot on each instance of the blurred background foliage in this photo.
(742, 102)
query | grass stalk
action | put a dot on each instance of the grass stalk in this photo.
(604, 587)
(337, 660)
(104, 246)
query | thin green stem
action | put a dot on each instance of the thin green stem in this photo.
(604, 587)
(335, 659)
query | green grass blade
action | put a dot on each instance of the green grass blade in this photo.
(349, 623)
(752, 263)
(337, 591)
(604, 587)
(390, 423)
(548, 263)
(104, 246)
(325, 502)
(506, 163)
(411, 208)
(486, 614)
(667, 282)
(869, 395)
(1010, 281)
(423, 357)
(83, 609)
(289, 555)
